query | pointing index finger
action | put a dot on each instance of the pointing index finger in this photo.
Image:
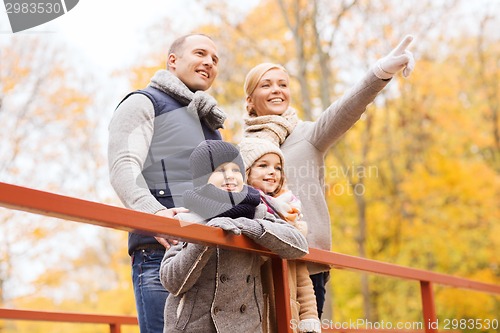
(400, 49)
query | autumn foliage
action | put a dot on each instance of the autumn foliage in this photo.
(415, 182)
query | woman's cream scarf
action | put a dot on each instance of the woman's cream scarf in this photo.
(272, 127)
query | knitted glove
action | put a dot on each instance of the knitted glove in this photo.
(248, 227)
(286, 205)
(310, 325)
(225, 223)
(205, 106)
(398, 59)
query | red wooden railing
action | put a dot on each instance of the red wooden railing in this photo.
(72, 209)
(115, 322)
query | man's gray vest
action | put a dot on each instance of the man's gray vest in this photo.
(166, 169)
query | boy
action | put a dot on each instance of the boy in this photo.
(213, 289)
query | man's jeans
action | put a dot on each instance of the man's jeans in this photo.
(150, 296)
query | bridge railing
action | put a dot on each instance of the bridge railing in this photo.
(114, 322)
(73, 209)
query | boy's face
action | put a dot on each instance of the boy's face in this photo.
(265, 173)
(227, 177)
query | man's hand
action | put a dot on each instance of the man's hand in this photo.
(398, 59)
(170, 213)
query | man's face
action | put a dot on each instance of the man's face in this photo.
(196, 63)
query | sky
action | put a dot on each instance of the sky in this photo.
(109, 33)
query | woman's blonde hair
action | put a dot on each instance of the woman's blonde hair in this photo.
(254, 75)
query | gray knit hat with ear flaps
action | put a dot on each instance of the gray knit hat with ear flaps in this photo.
(209, 155)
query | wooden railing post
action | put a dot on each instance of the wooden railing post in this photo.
(428, 307)
(282, 295)
(114, 328)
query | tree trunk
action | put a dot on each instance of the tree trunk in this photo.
(298, 32)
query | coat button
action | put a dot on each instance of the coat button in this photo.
(243, 308)
(216, 310)
(161, 192)
(223, 278)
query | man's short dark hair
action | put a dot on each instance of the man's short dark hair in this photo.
(176, 46)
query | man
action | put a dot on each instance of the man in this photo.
(151, 136)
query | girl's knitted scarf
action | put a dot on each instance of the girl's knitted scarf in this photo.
(286, 205)
(200, 104)
(271, 127)
(209, 201)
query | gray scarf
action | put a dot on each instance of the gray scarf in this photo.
(209, 201)
(200, 103)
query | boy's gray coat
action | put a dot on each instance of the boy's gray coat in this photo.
(218, 290)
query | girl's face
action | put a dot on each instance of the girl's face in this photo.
(227, 177)
(265, 174)
(272, 94)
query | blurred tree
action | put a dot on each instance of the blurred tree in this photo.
(426, 133)
(326, 47)
(51, 141)
(414, 182)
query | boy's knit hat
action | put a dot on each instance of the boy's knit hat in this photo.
(254, 148)
(209, 155)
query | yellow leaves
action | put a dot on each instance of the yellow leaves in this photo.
(446, 182)
(51, 278)
(140, 76)
(39, 233)
(348, 302)
(13, 70)
(97, 281)
(434, 204)
(64, 104)
(455, 204)
(9, 82)
(465, 304)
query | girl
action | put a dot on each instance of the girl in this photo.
(264, 169)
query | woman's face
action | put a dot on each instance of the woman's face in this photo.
(272, 94)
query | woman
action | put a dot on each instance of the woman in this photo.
(304, 144)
